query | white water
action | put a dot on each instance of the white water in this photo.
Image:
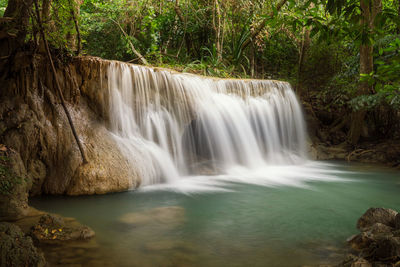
(183, 125)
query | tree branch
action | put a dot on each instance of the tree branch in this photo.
(144, 61)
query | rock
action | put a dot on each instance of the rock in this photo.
(171, 215)
(53, 229)
(16, 249)
(396, 233)
(33, 124)
(379, 229)
(376, 215)
(379, 241)
(13, 187)
(355, 261)
(108, 169)
(360, 241)
(386, 249)
(397, 222)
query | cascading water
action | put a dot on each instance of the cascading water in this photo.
(233, 128)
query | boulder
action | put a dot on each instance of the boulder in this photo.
(360, 241)
(380, 229)
(386, 249)
(378, 244)
(16, 249)
(376, 215)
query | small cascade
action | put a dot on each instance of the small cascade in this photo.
(181, 122)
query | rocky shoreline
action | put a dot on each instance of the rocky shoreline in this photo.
(386, 152)
(43, 239)
(378, 244)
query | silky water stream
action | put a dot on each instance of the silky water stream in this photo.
(225, 178)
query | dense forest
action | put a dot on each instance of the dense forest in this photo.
(341, 56)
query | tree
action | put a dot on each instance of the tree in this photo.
(369, 10)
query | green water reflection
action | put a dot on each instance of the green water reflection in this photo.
(252, 226)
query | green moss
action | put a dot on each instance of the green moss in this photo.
(8, 180)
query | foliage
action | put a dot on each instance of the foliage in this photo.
(314, 44)
(385, 77)
(3, 5)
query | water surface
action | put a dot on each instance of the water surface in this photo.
(294, 223)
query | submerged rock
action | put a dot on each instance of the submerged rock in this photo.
(16, 249)
(172, 215)
(169, 245)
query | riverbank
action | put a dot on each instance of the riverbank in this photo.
(330, 143)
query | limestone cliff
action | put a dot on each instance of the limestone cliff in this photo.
(34, 126)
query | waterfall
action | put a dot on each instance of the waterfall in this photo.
(183, 124)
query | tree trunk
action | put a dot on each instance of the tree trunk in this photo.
(398, 13)
(186, 36)
(13, 27)
(74, 40)
(303, 49)
(46, 4)
(217, 28)
(13, 31)
(369, 11)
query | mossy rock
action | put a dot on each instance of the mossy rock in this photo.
(13, 191)
(16, 249)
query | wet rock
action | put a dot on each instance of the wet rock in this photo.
(53, 229)
(378, 244)
(376, 215)
(16, 249)
(360, 241)
(397, 221)
(380, 229)
(386, 249)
